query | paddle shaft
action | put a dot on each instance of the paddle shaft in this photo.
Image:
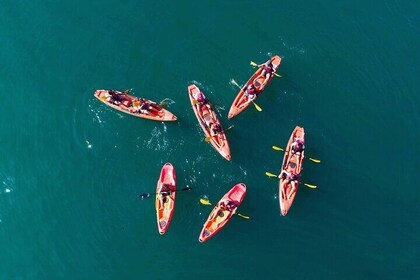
(149, 194)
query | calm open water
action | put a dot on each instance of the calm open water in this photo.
(71, 168)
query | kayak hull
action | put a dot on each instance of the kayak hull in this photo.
(291, 162)
(241, 101)
(215, 222)
(164, 115)
(219, 141)
(165, 203)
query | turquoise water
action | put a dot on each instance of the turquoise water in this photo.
(72, 168)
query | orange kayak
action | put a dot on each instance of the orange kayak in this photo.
(219, 216)
(165, 197)
(131, 105)
(292, 164)
(241, 101)
(206, 115)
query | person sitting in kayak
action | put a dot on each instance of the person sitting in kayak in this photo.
(206, 115)
(215, 129)
(146, 107)
(227, 206)
(165, 193)
(297, 146)
(201, 99)
(114, 97)
(267, 70)
(119, 99)
(251, 92)
(291, 178)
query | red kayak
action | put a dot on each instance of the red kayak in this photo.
(259, 81)
(134, 106)
(207, 119)
(223, 212)
(291, 166)
(165, 197)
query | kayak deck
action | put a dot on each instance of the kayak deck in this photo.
(130, 104)
(219, 217)
(165, 202)
(292, 162)
(241, 101)
(219, 140)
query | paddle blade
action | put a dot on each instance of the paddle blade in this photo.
(205, 201)
(277, 75)
(163, 103)
(145, 195)
(315, 160)
(236, 84)
(195, 102)
(243, 216)
(252, 63)
(103, 98)
(310, 186)
(207, 139)
(277, 148)
(270, 174)
(257, 107)
(230, 127)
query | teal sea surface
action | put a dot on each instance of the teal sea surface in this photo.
(72, 168)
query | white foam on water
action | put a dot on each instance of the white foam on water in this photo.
(156, 142)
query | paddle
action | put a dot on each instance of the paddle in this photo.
(146, 195)
(205, 201)
(255, 65)
(256, 106)
(311, 159)
(276, 176)
(208, 138)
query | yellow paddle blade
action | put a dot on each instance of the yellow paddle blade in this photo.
(270, 174)
(257, 107)
(315, 160)
(207, 139)
(277, 75)
(243, 216)
(310, 186)
(204, 201)
(277, 148)
(195, 102)
(103, 98)
(253, 64)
